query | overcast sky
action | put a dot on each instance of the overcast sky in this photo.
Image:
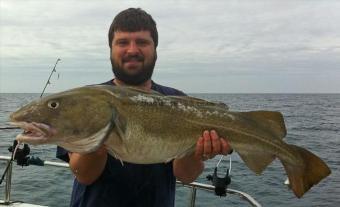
(204, 46)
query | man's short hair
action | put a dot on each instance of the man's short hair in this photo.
(133, 20)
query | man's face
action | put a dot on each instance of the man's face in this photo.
(133, 56)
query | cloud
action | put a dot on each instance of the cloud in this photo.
(199, 40)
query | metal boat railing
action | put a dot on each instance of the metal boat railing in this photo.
(193, 186)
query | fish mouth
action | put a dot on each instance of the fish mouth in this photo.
(34, 133)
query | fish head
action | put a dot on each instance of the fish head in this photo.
(64, 117)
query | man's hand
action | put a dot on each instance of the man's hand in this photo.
(188, 168)
(88, 167)
(210, 145)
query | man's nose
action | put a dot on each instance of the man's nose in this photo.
(133, 48)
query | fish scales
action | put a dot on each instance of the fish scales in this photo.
(152, 124)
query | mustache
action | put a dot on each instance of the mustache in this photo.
(133, 57)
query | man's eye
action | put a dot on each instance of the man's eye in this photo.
(142, 42)
(121, 43)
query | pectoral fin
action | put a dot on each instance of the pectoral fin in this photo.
(120, 124)
(116, 139)
(91, 143)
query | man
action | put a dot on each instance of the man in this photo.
(101, 180)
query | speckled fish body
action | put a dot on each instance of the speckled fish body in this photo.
(147, 127)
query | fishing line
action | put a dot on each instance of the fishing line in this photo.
(219, 161)
(230, 161)
(5, 172)
(10, 162)
(229, 164)
(15, 151)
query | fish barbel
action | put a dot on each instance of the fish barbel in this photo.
(147, 127)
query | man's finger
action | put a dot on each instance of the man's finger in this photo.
(207, 143)
(216, 145)
(199, 148)
(225, 147)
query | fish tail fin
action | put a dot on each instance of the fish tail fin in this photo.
(303, 176)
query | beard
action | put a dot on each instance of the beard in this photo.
(138, 78)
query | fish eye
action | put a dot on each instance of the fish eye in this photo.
(53, 104)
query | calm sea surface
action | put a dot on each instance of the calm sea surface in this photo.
(313, 122)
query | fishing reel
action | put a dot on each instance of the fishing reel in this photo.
(21, 154)
(220, 184)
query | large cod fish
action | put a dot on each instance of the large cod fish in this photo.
(147, 127)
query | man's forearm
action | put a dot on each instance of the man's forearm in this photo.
(188, 168)
(88, 167)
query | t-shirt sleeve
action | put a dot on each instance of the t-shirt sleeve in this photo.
(62, 154)
(167, 90)
(179, 93)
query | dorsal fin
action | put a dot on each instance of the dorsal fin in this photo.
(199, 102)
(271, 120)
(124, 91)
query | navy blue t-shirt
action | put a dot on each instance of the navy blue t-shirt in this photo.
(151, 185)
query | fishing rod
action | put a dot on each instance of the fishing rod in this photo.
(48, 80)
(4, 128)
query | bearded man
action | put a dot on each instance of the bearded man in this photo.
(100, 179)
